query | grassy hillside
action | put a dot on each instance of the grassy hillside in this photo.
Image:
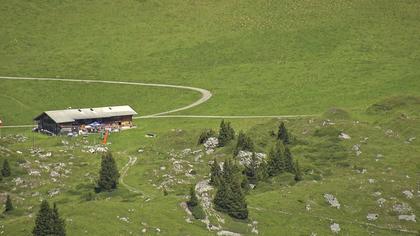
(387, 166)
(353, 63)
(258, 57)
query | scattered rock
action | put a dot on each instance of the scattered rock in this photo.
(227, 233)
(344, 136)
(210, 144)
(407, 217)
(357, 150)
(372, 216)
(335, 228)
(381, 202)
(408, 194)
(402, 208)
(245, 157)
(332, 200)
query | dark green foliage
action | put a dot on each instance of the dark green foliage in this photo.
(226, 133)
(262, 173)
(5, 171)
(251, 170)
(198, 213)
(206, 134)
(59, 227)
(288, 161)
(194, 205)
(244, 143)
(283, 135)
(43, 221)
(193, 198)
(229, 196)
(48, 222)
(215, 173)
(298, 173)
(8, 206)
(276, 162)
(108, 175)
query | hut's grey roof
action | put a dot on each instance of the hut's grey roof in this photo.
(71, 115)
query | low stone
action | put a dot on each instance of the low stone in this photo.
(372, 216)
(332, 200)
(344, 136)
(408, 194)
(407, 217)
(335, 228)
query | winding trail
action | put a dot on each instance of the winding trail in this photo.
(205, 94)
(124, 171)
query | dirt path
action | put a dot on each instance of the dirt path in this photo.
(124, 171)
(205, 94)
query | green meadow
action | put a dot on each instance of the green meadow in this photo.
(359, 57)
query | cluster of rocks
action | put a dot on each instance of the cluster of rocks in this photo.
(333, 201)
(245, 157)
(211, 144)
(357, 149)
(95, 149)
(335, 228)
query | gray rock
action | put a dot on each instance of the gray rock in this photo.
(335, 228)
(332, 200)
(372, 216)
(407, 217)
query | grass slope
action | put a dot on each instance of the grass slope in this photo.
(258, 57)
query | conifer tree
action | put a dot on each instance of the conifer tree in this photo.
(276, 163)
(251, 170)
(48, 221)
(226, 133)
(262, 173)
(5, 171)
(206, 134)
(298, 173)
(288, 160)
(244, 143)
(43, 221)
(283, 135)
(238, 207)
(215, 173)
(229, 196)
(8, 206)
(58, 224)
(108, 175)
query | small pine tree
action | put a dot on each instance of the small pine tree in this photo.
(283, 135)
(43, 221)
(229, 197)
(288, 160)
(193, 202)
(215, 173)
(244, 143)
(58, 224)
(251, 170)
(262, 173)
(226, 133)
(298, 173)
(276, 163)
(5, 171)
(206, 134)
(8, 206)
(238, 207)
(108, 175)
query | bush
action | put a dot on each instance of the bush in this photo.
(206, 134)
(198, 212)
